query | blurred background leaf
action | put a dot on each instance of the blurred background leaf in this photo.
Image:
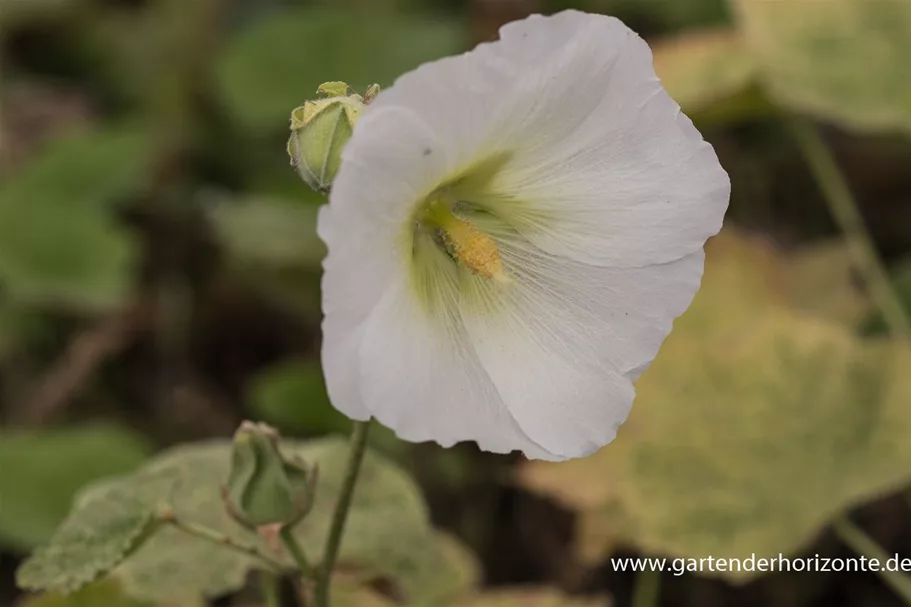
(280, 60)
(293, 396)
(389, 536)
(43, 470)
(843, 60)
(736, 424)
(78, 256)
(712, 75)
(104, 593)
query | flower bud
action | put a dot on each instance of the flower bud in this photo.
(265, 487)
(320, 129)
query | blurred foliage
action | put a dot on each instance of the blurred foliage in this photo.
(749, 434)
(711, 75)
(43, 470)
(58, 242)
(845, 60)
(388, 533)
(152, 153)
(276, 396)
(280, 60)
(100, 594)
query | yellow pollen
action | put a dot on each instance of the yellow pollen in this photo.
(472, 247)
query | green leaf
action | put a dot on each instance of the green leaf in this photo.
(103, 593)
(267, 233)
(842, 60)
(711, 74)
(106, 593)
(100, 533)
(16, 12)
(821, 278)
(43, 470)
(271, 243)
(749, 432)
(388, 533)
(59, 242)
(293, 397)
(279, 61)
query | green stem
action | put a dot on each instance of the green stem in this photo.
(844, 209)
(210, 535)
(863, 544)
(269, 588)
(358, 446)
(647, 589)
(296, 551)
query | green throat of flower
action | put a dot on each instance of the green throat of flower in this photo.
(455, 240)
(461, 239)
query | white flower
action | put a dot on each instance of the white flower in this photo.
(511, 234)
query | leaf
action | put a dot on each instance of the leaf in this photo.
(16, 12)
(279, 61)
(58, 240)
(103, 593)
(97, 536)
(537, 597)
(106, 593)
(821, 278)
(14, 324)
(842, 60)
(354, 589)
(268, 233)
(747, 436)
(272, 243)
(43, 470)
(463, 568)
(293, 397)
(388, 534)
(711, 74)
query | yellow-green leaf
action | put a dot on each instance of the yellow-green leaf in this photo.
(842, 60)
(755, 425)
(711, 74)
(388, 535)
(95, 538)
(104, 593)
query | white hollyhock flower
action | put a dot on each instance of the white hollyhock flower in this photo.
(511, 234)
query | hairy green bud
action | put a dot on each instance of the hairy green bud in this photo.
(264, 486)
(320, 129)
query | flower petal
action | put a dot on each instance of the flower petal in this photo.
(424, 380)
(564, 341)
(361, 228)
(601, 165)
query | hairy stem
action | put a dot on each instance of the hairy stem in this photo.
(647, 588)
(296, 552)
(358, 446)
(215, 537)
(269, 589)
(844, 209)
(863, 544)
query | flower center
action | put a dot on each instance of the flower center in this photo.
(463, 241)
